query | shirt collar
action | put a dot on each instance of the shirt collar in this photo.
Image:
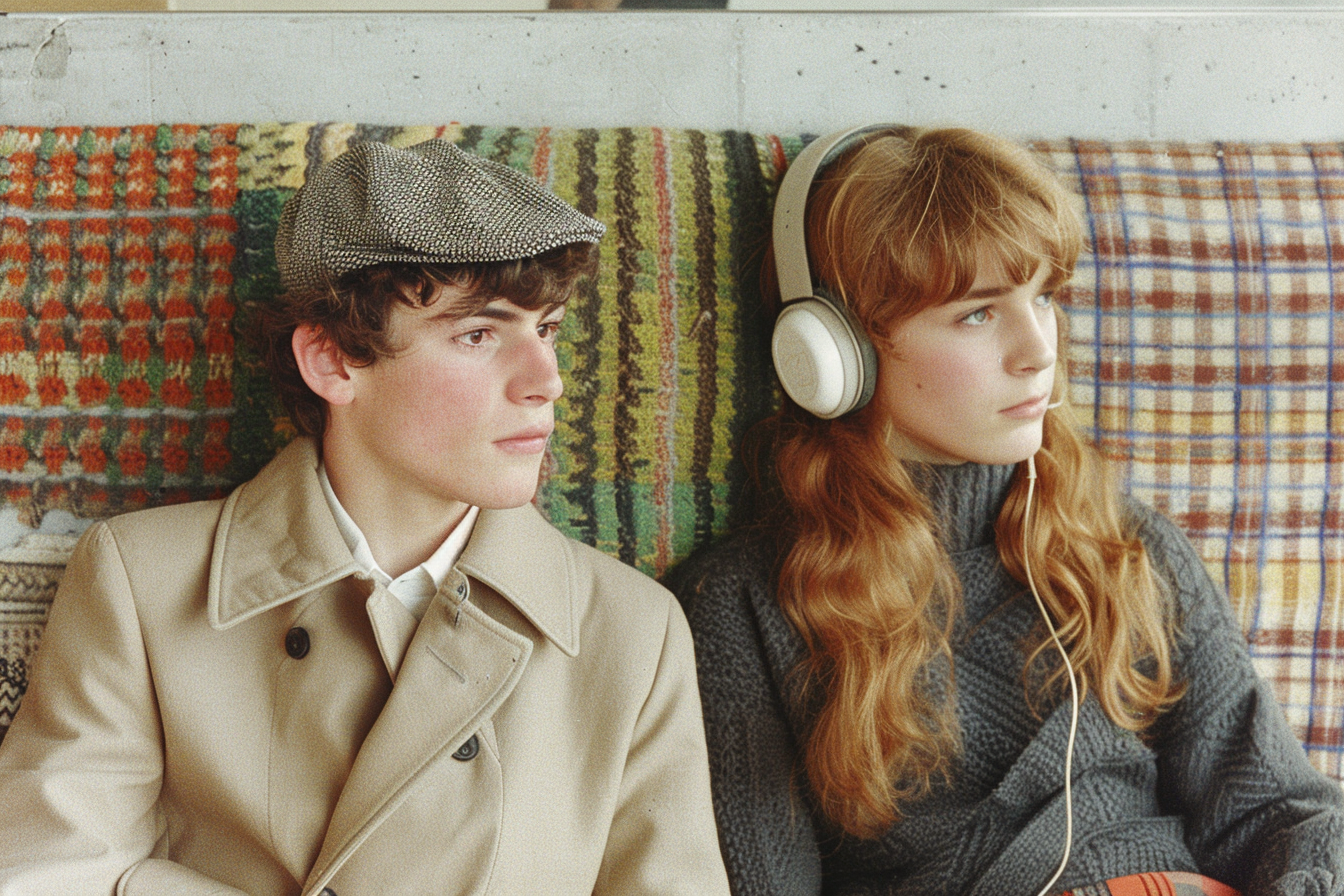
(417, 586)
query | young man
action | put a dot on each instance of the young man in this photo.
(375, 668)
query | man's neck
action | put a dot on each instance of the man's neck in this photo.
(403, 529)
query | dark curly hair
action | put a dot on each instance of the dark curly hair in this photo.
(353, 311)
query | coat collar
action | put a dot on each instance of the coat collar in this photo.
(277, 541)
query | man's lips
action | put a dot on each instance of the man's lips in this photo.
(528, 441)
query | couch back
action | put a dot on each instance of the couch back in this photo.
(1207, 325)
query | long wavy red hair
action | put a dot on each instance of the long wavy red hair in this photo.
(895, 225)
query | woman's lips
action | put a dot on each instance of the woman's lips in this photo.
(1029, 409)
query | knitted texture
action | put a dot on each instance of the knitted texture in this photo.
(1222, 788)
(128, 258)
(1206, 325)
(116, 314)
(29, 574)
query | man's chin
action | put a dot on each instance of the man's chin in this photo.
(509, 498)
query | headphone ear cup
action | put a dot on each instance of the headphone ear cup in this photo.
(824, 359)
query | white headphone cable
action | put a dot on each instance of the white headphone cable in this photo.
(1068, 666)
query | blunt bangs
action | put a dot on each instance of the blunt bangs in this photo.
(901, 222)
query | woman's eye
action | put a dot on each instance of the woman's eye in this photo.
(977, 317)
(1045, 300)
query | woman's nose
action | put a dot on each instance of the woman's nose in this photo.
(1034, 341)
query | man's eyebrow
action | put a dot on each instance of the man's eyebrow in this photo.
(498, 312)
(505, 311)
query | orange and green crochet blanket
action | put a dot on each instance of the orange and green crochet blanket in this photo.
(129, 258)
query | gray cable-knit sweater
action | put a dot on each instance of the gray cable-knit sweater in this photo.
(1222, 787)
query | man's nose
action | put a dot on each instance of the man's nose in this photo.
(537, 376)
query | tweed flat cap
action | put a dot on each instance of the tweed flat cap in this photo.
(430, 203)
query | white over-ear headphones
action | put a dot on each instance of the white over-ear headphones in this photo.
(825, 361)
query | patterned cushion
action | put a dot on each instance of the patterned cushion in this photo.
(1206, 327)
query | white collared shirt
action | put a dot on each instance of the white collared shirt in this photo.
(415, 587)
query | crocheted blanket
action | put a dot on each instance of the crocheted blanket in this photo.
(129, 256)
(1207, 324)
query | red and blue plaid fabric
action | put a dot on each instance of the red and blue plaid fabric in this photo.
(1160, 883)
(1208, 327)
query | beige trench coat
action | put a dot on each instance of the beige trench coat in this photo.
(543, 734)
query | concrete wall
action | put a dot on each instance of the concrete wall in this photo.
(1229, 74)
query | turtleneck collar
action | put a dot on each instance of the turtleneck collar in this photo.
(966, 500)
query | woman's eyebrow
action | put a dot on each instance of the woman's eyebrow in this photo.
(987, 292)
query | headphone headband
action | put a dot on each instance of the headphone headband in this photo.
(791, 267)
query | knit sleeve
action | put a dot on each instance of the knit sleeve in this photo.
(766, 831)
(1257, 816)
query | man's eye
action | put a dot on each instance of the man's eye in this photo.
(475, 337)
(549, 330)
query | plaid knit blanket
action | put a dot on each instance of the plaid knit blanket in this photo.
(1207, 325)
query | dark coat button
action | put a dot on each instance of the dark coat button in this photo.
(468, 750)
(296, 642)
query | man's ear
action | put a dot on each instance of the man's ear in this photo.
(322, 365)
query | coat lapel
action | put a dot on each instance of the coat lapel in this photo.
(520, 554)
(460, 666)
(394, 627)
(276, 540)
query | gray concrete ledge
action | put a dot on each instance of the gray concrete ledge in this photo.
(1230, 74)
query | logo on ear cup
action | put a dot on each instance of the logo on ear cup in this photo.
(825, 362)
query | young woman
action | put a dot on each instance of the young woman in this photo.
(886, 706)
